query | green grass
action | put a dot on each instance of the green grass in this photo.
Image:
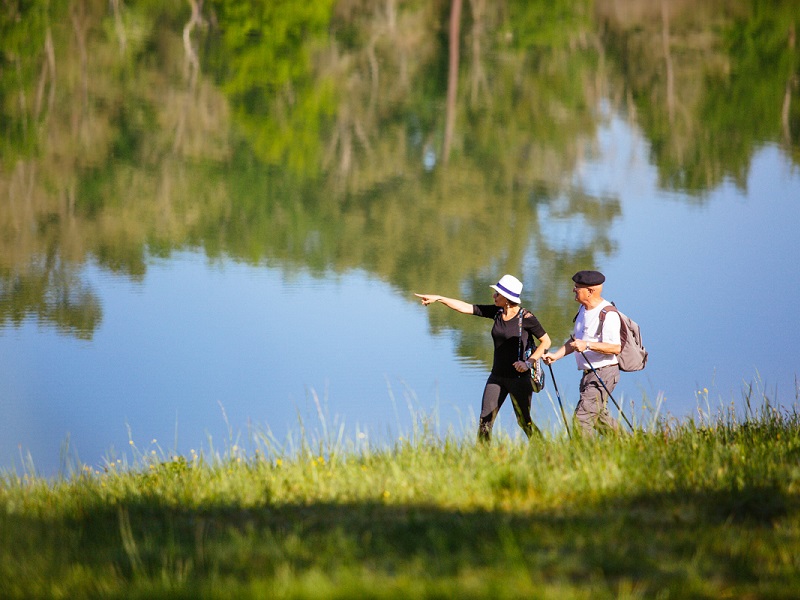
(706, 508)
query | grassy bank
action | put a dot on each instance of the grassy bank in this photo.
(683, 510)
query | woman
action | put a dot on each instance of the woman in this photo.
(509, 374)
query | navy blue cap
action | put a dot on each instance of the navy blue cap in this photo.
(588, 278)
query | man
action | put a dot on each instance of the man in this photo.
(600, 344)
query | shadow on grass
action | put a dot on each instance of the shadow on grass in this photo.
(691, 544)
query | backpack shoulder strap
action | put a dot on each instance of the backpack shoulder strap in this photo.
(623, 332)
(603, 312)
(607, 309)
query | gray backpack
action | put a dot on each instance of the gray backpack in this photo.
(633, 356)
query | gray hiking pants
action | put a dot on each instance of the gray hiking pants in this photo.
(592, 410)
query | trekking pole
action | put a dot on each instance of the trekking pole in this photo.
(591, 366)
(555, 385)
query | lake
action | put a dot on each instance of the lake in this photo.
(216, 242)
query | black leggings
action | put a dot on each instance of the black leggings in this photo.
(495, 393)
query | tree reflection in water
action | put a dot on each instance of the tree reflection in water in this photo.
(325, 136)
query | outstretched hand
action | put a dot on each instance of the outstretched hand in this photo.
(427, 299)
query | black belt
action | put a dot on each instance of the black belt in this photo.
(585, 371)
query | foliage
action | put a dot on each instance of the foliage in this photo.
(24, 29)
(310, 135)
(264, 64)
(718, 85)
(547, 26)
(51, 293)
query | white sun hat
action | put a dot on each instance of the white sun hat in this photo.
(509, 286)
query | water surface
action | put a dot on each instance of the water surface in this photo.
(216, 243)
